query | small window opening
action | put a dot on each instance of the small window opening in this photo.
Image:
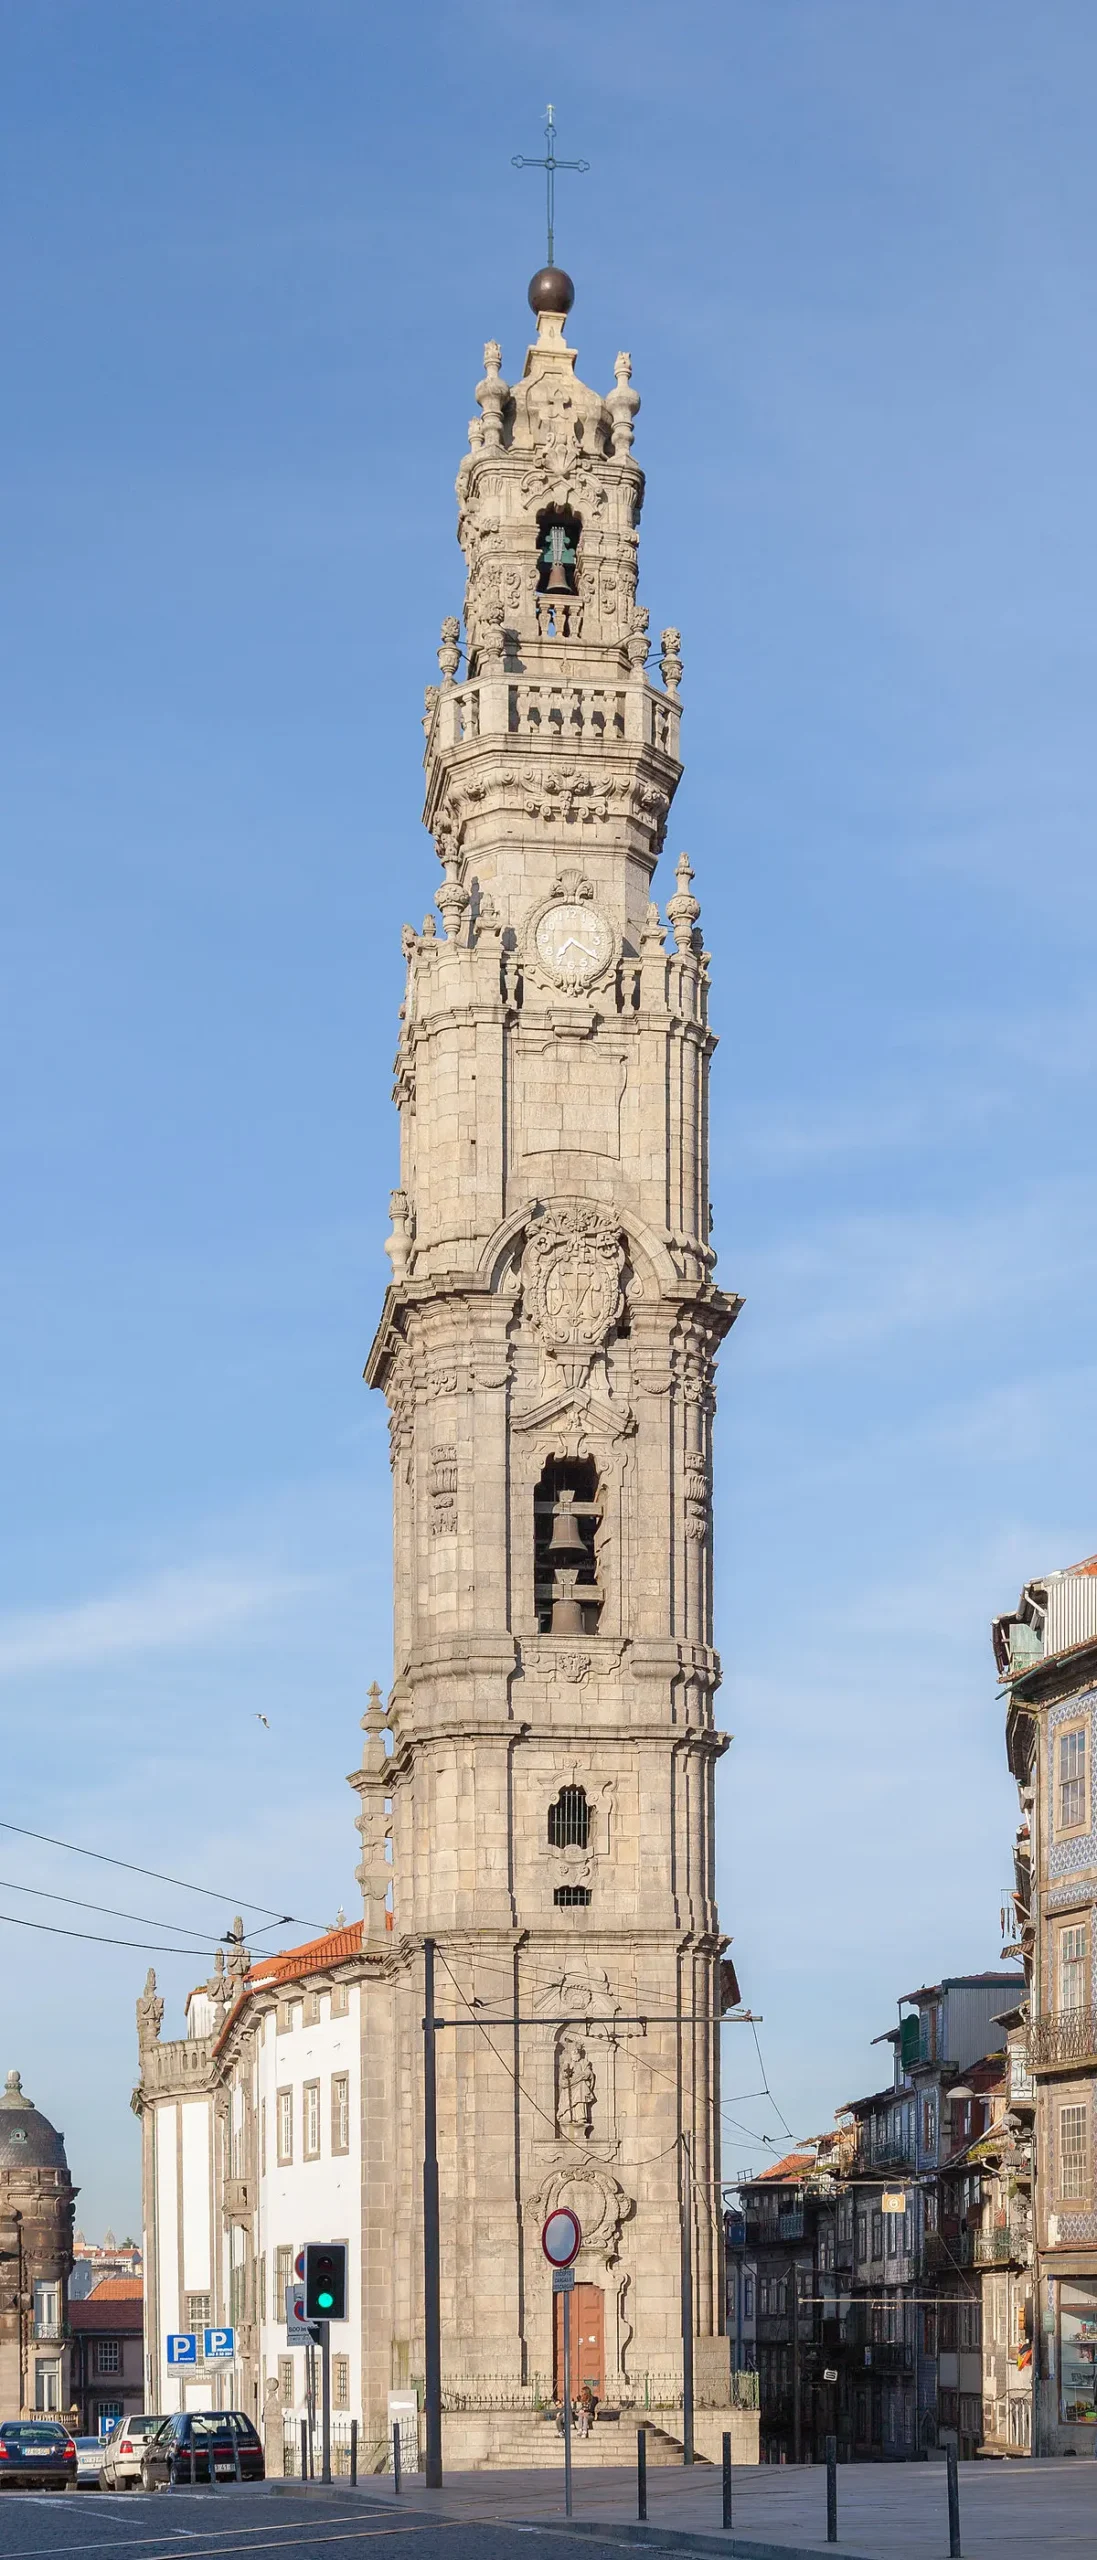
(558, 551)
(571, 1897)
(569, 1820)
(566, 1514)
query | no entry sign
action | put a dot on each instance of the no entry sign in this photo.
(562, 2236)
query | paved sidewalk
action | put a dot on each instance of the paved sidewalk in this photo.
(886, 2511)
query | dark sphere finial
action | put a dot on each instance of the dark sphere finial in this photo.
(551, 290)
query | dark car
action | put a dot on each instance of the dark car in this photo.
(36, 2453)
(202, 2444)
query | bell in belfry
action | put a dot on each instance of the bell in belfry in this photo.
(567, 1609)
(565, 1535)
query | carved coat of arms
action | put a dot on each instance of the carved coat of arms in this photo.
(571, 1271)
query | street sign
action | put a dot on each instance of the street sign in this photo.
(562, 2236)
(298, 2329)
(220, 2345)
(563, 2279)
(893, 2200)
(830, 2373)
(182, 2347)
(299, 2264)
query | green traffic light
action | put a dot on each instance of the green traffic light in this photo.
(325, 2300)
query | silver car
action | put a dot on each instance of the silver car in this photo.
(124, 2448)
(90, 2456)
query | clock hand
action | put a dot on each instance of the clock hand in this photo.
(573, 944)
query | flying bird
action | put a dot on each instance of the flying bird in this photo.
(262, 1719)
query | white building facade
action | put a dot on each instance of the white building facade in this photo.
(252, 2146)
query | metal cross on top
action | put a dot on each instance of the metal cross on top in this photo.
(550, 164)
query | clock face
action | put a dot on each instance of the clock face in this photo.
(574, 941)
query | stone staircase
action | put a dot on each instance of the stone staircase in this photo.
(525, 2440)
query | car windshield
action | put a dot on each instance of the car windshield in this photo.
(139, 2426)
(30, 2433)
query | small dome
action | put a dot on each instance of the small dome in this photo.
(551, 290)
(27, 2139)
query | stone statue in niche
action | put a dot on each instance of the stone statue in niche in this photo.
(577, 2088)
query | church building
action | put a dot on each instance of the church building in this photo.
(537, 1797)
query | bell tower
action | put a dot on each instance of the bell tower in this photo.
(547, 1350)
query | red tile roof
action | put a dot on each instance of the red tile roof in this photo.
(793, 2166)
(333, 1948)
(94, 2318)
(117, 2289)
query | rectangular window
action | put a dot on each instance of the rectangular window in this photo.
(238, 2295)
(285, 2381)
(47, 2310)
(340, 2382)
(261, 2287)
(108, 2355)
(47, 2384)
(340, 2111)
(263, 2137)
(312, 2008)
(285, 2127)
(1071, 1790)
(929, 2332)
(311, 2119)
(340, 1999)
(748, 2297)
(763, 2297)
(198, 2311)
(1072, 1966)
(877, 2235)
(862, 2238)
(283, 2275)
(1077, 2345)
(1073, 2152)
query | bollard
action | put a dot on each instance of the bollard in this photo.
(832, 2489)
(236, 2452)
(953, 2504)
(304, 2448)
(192, 2457)
(396, 2460)
(354, 2453)
(726, 2484)
(642, 2474)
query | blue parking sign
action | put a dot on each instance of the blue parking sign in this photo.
(183, 2348)
(220, 2345)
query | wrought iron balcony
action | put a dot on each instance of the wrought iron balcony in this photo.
(1069, 2037)
(1005, 2247)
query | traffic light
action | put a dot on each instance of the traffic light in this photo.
(325, 2280)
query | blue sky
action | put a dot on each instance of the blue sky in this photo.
(251, 254)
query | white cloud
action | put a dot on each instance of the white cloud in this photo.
(169, 1610)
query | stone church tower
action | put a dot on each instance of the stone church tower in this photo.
(547, 1350)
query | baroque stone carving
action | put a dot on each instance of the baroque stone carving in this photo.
(150, 2011)
(443, 1489)
(571, 1273)
(576, 2086)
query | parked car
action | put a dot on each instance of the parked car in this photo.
(124, 2448)
(202, 2444)
(36, 2453)
(90, 2453)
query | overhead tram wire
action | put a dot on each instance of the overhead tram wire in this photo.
(97, 1937)
(282, 1920)
(473, 2021)
(110, 1911)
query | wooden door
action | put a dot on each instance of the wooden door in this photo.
(586, 2306)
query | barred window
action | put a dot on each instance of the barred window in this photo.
(285, 2381)
(311, 2118)
(198, 2311)
(283, 2275)
(285, 2126)
(340, 2111)
(571, 1897)
(569, 1820)
(340, 2382)
(1072, 1780)
(1073, 2152)
(108, 2355)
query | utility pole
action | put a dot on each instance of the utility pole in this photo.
(794, 2302)
(432, 2289)
(686, 2187)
